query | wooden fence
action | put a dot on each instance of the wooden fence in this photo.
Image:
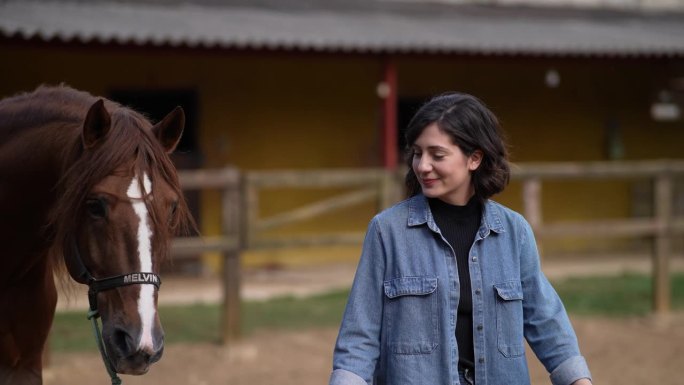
(244, 228)
(662, 227)
(375, 185)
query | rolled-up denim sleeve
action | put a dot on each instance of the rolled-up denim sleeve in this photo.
(570, 370)
(547, 327)
(357, 349)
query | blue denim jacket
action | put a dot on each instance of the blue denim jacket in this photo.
(399, 323)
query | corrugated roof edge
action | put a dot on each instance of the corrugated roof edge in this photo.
(488, 33)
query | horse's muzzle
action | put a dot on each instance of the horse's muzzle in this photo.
(128, 357)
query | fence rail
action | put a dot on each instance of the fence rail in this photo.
(371, 185)
(243, 228)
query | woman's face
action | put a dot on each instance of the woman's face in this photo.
(442, 169)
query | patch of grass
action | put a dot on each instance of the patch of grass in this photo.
(295, 313)
(191, 323)
(71, 331)
(625, 295)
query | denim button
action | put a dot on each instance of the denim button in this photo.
(481, 360)
(478, 291)
(474, 258)
(480, 327)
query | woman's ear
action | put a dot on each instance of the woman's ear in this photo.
(475, 159)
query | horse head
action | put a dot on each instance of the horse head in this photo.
(124, 212)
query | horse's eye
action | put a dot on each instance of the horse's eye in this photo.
(174, 207)
(97, 208)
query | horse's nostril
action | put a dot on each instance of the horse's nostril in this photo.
(157, 355)
(149, 356)
(123, 341)
(144, 356)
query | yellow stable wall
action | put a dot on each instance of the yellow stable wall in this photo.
(263, 111)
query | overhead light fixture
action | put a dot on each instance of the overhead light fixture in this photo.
(552, 78)
(382, 90)
(665, 109)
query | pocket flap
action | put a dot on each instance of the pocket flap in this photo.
(410, 286)
(509, 291)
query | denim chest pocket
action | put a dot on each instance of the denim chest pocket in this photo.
(509, 318)
(411, 314)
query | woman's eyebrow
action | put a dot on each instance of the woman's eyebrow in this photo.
(432, 148)
(437, 148)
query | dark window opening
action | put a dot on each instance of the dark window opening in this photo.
(406, 108)
(156, 104)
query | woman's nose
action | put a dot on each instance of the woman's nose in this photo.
(422, 165)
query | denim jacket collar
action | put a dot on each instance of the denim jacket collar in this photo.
(419, 214)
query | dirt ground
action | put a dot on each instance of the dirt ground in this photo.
(635, 350)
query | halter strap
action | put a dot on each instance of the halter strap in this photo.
(93, 315)
(98, 285)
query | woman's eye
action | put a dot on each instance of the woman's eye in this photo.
(97, 208)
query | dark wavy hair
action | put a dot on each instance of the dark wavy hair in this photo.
(471, 126)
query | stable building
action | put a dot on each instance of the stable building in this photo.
(297, 84)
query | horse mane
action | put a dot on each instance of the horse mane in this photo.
(129, 141)
(43, 106)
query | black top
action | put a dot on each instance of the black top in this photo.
(458, 225)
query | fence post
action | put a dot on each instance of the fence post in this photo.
(231, 223)
(662, 247)
(250, 209)
(532, 205)
(386, 189)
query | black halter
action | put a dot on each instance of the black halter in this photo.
(80, 274)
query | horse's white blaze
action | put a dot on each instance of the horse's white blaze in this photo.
(146, 307)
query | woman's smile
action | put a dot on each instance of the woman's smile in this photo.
(428, 182)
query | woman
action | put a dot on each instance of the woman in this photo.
(449, 284)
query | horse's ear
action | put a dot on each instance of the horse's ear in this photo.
(170, 129)
(96, 124)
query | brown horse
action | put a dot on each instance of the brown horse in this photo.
(87, 184)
